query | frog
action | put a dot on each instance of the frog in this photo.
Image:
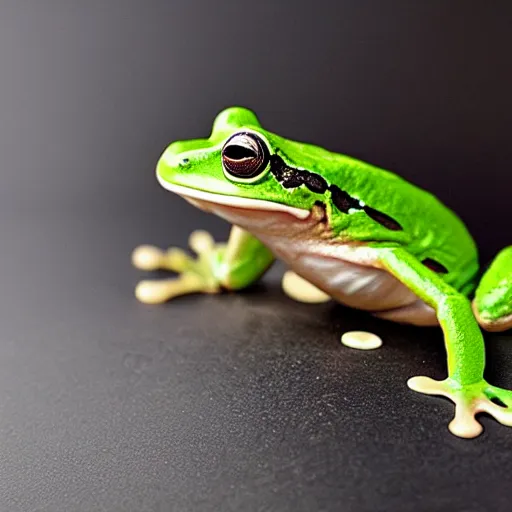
(352, 232)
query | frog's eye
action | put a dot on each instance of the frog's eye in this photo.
(244, 157)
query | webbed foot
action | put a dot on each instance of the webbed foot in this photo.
(469, 401)
(196, 275)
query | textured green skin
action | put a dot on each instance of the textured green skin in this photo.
(493, 297)
(430, 230)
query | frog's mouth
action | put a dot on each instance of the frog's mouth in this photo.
(202, 199)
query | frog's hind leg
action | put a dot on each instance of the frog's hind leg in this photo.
(465, 384)
(497, 325)
(493, 299)
(231, 266)
(299, 289)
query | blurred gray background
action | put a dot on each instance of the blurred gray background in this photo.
(91, 92)
(243, 402)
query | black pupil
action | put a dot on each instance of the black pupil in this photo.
(235, 152)
(244, 156)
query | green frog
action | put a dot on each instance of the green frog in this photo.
(351, 232)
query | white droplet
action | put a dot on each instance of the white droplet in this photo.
(301, 290)
(361, 340)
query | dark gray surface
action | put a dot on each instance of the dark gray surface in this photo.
(237, 402)
(244, 402)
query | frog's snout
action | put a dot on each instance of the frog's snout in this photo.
(173, 156)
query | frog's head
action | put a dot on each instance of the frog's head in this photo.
(243, 167)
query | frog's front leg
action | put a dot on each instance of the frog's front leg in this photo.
(464, 343)
(232, 266)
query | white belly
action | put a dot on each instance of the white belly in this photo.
(348, 273)
(354, 284)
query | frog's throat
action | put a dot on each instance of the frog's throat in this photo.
(233, 201)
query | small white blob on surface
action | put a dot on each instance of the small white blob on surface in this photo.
(361, 340)
(301, 290)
